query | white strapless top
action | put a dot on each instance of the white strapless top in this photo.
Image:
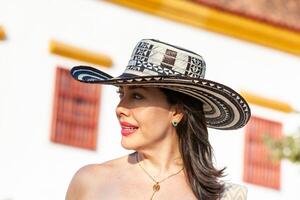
(234, 192)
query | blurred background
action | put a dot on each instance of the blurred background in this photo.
(51, 125)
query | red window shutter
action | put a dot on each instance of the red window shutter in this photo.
(259, 168)
(75, 111)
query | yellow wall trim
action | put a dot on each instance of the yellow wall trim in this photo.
(74, 52)
(2, 33)
(268, 103)
(217, 21)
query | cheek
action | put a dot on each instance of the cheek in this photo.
(153, 126)
(153, 122)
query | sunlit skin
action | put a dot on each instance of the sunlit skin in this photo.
(145, 119)
(148, 110)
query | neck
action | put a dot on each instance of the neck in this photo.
(162, 160)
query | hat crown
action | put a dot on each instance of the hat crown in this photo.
(155, 58)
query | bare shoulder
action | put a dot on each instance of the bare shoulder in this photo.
(234, 192)
(85, 179)
(92, 179)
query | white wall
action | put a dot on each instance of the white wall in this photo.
(34, 168)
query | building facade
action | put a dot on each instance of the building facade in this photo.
(38, 160)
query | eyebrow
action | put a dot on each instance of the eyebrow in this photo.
(134, 87)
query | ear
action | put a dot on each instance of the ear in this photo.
(177, 113)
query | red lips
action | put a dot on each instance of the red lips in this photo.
(127, 128)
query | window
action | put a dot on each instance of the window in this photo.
(259, 168)
(75, 111)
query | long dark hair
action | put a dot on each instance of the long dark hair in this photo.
(195, 148)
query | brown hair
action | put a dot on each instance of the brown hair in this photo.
(195, 148)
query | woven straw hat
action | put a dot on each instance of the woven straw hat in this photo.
(157, 64)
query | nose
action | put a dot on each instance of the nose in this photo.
(122, 109)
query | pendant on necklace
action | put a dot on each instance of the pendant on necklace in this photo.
(156, 187)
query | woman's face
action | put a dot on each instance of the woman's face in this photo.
(145, 117)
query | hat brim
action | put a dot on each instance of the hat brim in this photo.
(223, 108)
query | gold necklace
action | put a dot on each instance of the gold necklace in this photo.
(156, 186)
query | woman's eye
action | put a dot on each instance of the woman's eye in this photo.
(137, 96)
(133, 95)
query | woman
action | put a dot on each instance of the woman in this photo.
(165, 108)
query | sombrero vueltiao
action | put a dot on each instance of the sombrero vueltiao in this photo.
(157, 64)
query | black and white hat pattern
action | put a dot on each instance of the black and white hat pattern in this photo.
(157, 64)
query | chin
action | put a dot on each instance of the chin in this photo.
(128, 144)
